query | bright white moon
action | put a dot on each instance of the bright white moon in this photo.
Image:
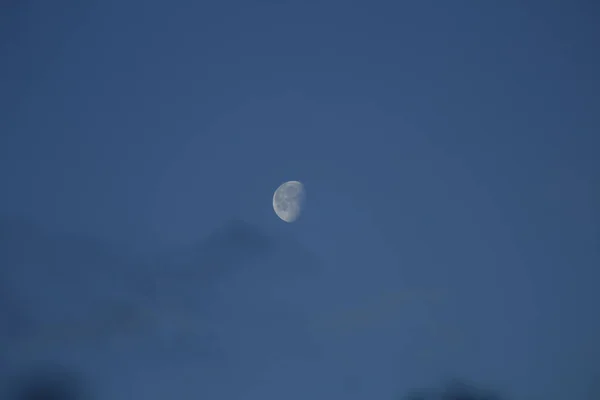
(288, 200)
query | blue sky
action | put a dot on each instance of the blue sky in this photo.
(452, 145)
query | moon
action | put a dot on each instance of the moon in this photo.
(288, 200)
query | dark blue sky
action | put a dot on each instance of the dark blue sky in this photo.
(455, 142)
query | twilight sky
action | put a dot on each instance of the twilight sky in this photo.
(452, 146)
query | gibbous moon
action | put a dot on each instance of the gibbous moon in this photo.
(288, 200)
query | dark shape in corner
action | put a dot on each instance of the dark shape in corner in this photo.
(455, 390)
(50, 382)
